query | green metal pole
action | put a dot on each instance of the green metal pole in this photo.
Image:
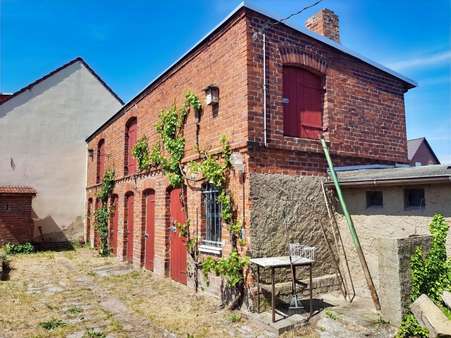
(355, 238)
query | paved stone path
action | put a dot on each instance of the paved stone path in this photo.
(79, 289)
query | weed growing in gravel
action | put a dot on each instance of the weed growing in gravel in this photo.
(235, 317)
(52, 324)
(91, 333)
(332, 315)
(74, 310)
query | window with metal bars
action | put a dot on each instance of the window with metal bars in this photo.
(212, 215)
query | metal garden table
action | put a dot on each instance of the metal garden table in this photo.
(274, 263)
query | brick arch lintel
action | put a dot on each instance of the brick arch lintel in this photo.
(305, 57)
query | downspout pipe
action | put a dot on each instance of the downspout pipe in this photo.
(350, 223)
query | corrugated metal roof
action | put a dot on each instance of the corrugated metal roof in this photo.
(246, 4)
(403, 173)
(17, 189)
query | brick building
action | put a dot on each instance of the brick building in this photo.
(16, 223)
(314, 86)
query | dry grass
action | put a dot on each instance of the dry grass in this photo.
(172, 306)
(61, 286)
(41, 290)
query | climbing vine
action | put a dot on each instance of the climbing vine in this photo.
(430, 275)
(168, 153)
(102, 214)
(215, 171)
(141, 153)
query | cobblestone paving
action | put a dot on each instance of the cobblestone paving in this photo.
(84, 295)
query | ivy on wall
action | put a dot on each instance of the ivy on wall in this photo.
(430, 275)
(168, 153)
(102, 214)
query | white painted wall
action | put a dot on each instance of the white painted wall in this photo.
(42, 133)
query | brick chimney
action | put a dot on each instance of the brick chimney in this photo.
(325, 22)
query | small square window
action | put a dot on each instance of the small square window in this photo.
(374, 199)
(414, 198)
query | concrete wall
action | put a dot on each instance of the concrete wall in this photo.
(394, 273)
(42, 134)
(390, 221)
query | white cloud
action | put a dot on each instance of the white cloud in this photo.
(423, 62)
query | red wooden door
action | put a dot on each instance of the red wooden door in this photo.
(131, 161)
(114, 225)
(96, 233)
(291, 115)
(302, 100)
(150, 230)
(130, 214)
(88, 222)
(177, 242)
(311, 112)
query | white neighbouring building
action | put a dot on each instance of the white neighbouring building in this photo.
(43, 128)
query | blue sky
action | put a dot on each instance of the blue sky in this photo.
(129, 43)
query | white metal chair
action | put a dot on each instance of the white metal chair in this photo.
(298, 252)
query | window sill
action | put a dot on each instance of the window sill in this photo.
(211, 249)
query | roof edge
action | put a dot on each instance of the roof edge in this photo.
(55, 71)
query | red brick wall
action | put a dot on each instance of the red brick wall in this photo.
(363, 107)
(363, 111)
(16, 225)
(221, 61)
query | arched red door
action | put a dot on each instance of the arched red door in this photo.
(130, 224)
(96, 232)
(177, 243)
(88, 222)
(114, 224)
(149, 237)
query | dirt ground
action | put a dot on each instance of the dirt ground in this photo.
(78, 294)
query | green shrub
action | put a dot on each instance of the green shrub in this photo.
(15, 249)
(430, 275)
(411, 328)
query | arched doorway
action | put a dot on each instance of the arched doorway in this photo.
(128, 226)
(96, 232)
(88, 222)
(149, 228)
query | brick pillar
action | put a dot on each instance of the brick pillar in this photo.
(161, 231)
(138, 232)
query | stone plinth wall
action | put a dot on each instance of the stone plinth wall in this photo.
(288, 209)
(394, 273)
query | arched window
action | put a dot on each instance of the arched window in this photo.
(212, 215)
(302, 103)
(100, 160)
(130, 141)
